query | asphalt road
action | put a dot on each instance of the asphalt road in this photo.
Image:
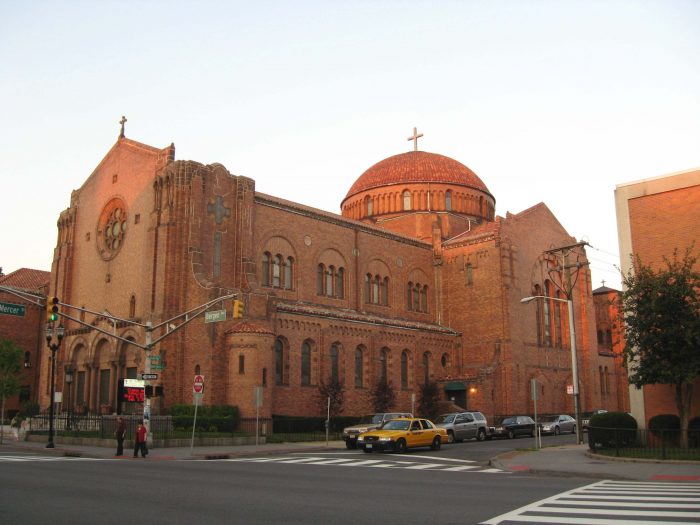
(394, 489)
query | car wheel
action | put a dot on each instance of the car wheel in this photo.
(367, 450)
(481, 435)
(350, 445)
(400, 447)
(511, 434)
(556, 431)
(450, 437)
(436, 443)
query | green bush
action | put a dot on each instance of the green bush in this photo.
(612, 429)
(222, 418)
(664, 422)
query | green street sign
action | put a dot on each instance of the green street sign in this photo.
(214, 316)
(16, 309)
(157, 367)
(155, 358)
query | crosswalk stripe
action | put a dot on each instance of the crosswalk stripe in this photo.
(371, 463)
(621, 503)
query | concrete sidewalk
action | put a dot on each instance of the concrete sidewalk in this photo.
(568, 460)
(577, 460)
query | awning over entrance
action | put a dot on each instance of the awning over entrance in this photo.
(455, 386)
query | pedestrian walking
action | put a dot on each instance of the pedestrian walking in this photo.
(120, 434)
(140, 441)
(14, 424)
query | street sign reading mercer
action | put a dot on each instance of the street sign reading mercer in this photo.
(13, 309)
(149, 377)
(214, 316)
(198, 385)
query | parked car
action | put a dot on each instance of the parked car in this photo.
(401, 434)
(586, 417)
(464, 425)
(368, 422)
(557, 424)
(514, 426)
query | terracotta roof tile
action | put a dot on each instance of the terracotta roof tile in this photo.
(416, 167)
(27, 279)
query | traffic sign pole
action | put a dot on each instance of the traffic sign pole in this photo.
(197, 392)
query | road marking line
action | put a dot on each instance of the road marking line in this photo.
(612, 512)
(422, 466)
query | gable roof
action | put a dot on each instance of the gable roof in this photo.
(27, 279)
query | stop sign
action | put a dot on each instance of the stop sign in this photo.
(198, 385)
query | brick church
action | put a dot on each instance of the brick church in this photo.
(416, 280)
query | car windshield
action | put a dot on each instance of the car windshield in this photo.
(396, 424)
(508, 421)
(547, 419)
(445, 418)
(370, 418)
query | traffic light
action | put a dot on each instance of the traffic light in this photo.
(52, 309)
(238, 309)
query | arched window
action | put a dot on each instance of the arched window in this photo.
(607, 380)
(340, 283)
(370, 207)
(280, 359)
(406, 200)
(608, 339)
(426, 368)
(409, 296)
(358, 367)
(383, 366)
(448, 200)
(320, 278)
(424, 299)
(445, 360)
(266, 269)
(602, 381)
(241, 364)
(601, 342)
(329, 281)
(197, 370)
(404, 369)
(557, 322)
(384, 292)
(547, 317)
(539, 315)
(27, 359)
(375, 289)
(288, 272)
(305, 364)
(276, 270)
(368, 288)
(335, 374)
(416, 297)
(132, 307)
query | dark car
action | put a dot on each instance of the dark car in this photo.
(514, 426)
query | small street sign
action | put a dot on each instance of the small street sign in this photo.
(214, 316)
(157, 367)
(198, 384)
(569, 389)
(149, 377)
(14, 309)
(154, 358)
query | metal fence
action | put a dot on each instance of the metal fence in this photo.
(162, 427)
(644, 443)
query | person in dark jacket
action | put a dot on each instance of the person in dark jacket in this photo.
(120, 434)
(140, 441)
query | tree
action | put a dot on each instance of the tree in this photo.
(10, 366)
(662, 328)
(383, 396)
(333, 390)
(430, 398)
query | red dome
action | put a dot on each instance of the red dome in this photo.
(417, 167)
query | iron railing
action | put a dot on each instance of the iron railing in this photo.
(644, 443)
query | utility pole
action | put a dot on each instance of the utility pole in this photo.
(566, 285)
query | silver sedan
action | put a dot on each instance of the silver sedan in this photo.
(557, 424)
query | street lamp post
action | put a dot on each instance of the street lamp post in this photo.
(574, 360)
(69, 384)
(50, 333)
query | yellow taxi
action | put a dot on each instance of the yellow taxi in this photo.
(401, 434)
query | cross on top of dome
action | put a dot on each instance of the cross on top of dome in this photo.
(415, 138)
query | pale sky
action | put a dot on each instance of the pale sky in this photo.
(546, 101)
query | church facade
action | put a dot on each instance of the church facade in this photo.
(416, 281)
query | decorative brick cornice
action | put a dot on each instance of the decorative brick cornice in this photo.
(352, 316)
